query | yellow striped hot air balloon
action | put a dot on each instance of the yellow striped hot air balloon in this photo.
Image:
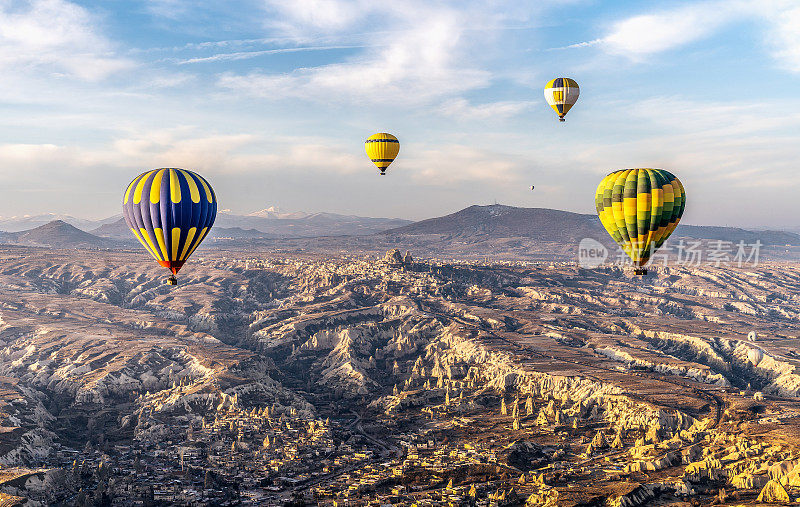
(561, 94)
(382, 149)
(170, 211)
(640, 208)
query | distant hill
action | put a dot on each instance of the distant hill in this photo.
(498, 221)
(311, 225)
(271, 222)
(27, 222)
(57, 234)
(232, 233)
(767, 237)
(119, 231)
(497, 231)
(265, 224)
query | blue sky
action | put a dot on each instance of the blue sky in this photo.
(271, 101)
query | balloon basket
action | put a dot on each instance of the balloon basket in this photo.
(640, 271)
(172, 281)
(562, 119)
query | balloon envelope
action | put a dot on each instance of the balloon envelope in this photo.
(640, 208)
(561, 94)
(170, 211)
(382, 149)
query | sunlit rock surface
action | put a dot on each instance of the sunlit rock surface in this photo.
(267, 379)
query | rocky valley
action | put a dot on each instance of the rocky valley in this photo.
(302, 379)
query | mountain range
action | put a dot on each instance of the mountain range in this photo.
(276, 212)
(58, 234)
(496, 230)
(20, 223)
(269, 222)
(498, 221)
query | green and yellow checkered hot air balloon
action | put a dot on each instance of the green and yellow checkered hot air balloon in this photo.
(640, 208)
(382, 149)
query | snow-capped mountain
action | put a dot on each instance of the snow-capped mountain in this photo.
(276, 212)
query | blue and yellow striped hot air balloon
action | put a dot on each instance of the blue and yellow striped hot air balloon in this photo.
(561, 94)
(170, 211)
(382, 149)
(640, 208)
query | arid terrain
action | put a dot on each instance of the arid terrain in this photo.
(298, 379)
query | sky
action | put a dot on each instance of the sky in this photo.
(271, 101)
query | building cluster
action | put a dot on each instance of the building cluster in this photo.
(238, 455)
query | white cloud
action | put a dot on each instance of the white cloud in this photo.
(241, 154)
(244, 55)
(213, 154)
(423, 53)
(643, 35)
(719, 146)
(28, 156)
(157, 80)
(429, 164)
(577, 45)
(170, 9)
(178, 147)
(437, 55)
(449, 163)
(646, 34)
(784, 36)
(463, 109)
(55, 36)
(327, 15)
(718, 119)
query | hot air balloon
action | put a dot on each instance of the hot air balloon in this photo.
(561, 93)
(382, 149)
(532, 187)
(640, 208)
(170, 211)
